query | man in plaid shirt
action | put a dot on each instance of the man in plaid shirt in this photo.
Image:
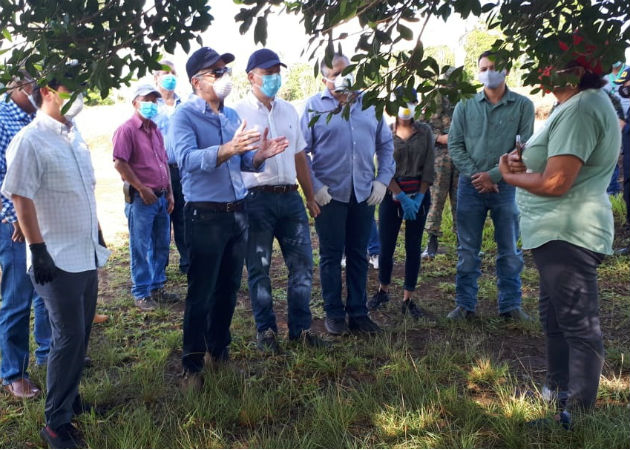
(17, 111)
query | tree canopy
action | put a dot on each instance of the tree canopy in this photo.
(111, 42)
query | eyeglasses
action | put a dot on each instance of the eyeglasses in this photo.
(215, 73)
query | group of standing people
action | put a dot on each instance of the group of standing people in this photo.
(225, 178)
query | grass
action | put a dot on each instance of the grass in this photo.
(421, 384)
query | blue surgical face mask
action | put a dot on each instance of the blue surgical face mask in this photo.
(270, 84)
(169, 82)
(491, 78)
(148, 110)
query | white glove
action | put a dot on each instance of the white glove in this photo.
(378, 192)
(323, 197)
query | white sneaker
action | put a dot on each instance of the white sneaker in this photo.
(343, 262)
(374, 261)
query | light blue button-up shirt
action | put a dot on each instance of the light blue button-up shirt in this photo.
(196, 132)
(162, 119)
(343, 150)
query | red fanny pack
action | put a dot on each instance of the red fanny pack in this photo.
(408, 185)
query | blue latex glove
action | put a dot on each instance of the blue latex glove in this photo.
(418, 200)
(410, 209)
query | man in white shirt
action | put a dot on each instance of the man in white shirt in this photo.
(275, 208)
(50, 180)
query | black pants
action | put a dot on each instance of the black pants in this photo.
(625, 142)
(390, 218)
(569, 312)
(71, 301)
(177, 219)
(218, 243)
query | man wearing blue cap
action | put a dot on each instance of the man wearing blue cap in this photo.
(212, 147)
(346, 189)
(275, 208)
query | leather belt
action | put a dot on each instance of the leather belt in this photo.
(173, 166)
(238, 205)
(160, 192)
(276, 189)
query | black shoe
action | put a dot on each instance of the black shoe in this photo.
(336, 326)
(87, 362)
(161, 296)
(363, 325)
(266, 342)
(378, 300)
(563, 419)
(432, 247)
(309, 338)
(409, 307)
(64, 436)
(460, 313)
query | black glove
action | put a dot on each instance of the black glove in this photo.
(44, 269)
(101, 239)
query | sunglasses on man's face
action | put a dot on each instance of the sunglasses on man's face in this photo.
(216, 73)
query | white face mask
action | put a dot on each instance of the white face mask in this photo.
(491, 78)
(407, 112)
(75, 108)
(222, 87)
(342, 83)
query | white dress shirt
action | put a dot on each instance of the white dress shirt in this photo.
(49, 163)
(282, 120)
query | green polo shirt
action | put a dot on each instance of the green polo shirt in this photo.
(481, 132)
(585, 126)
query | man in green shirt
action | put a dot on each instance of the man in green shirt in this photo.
(483, 128)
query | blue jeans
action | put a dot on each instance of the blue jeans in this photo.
(281, 216)
(472, 209)
(15, 311)
(374, 245)
(217, 246)
(344, 226)
(149, 239)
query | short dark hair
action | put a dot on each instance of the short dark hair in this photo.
(486, 54)
(37, 94)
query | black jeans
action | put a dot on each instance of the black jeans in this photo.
(177, 219)
(70, 299)
(569, 312)
(217, 246)
(390, 218)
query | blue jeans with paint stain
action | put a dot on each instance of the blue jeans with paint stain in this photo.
(472, 209)
(283, 217)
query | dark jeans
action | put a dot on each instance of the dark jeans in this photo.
(177, 219)
(217, 245)
(71, 301)
(472, 210)
(569, 312)
(390, 215)
(281, 216)
(344, 226)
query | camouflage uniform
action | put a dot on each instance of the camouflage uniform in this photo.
(446, 174)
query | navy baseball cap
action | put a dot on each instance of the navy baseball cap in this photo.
(205, 57)
(263, 58)
(623, 76)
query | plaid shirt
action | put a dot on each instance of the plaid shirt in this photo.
(12, 120)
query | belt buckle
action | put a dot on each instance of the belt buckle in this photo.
(229, 206)
(278, 189)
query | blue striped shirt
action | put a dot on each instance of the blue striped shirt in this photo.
(196, 132)
(12, 119)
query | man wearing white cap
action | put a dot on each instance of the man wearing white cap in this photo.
(140, 157)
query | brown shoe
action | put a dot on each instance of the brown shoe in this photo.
(100, 318)
(23, 388)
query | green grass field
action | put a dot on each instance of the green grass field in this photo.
(420, 384)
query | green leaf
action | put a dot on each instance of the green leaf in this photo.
(7, 35)
(404, 32)
(260, 30)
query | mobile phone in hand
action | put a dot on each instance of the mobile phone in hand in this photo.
(519, 146)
